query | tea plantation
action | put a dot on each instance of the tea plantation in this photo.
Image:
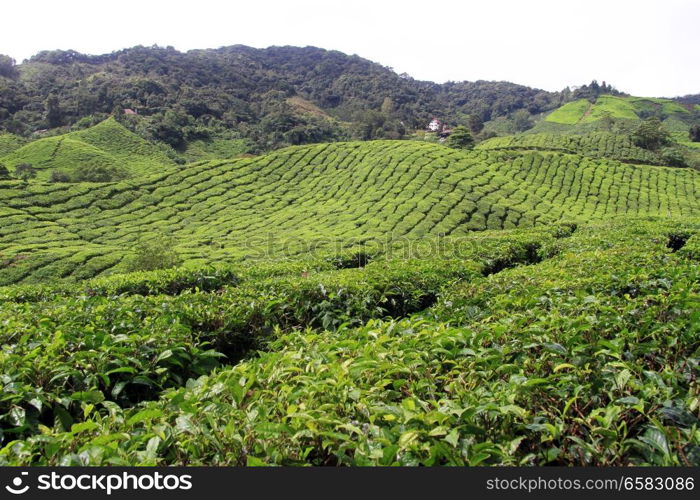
(626, 108)
(319, 196)
(535, 301)
(107, 145)
(595, 145)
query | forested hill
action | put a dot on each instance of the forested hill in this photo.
(269, 96)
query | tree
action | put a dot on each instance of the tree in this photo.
(58, 176)
(4, 173)
(388, 106)
(98, 173)
(460, 138)
(694, 133)
(7, 67)
(521, 120)
(54, 115)
(25, 171)
(606, 121)
(651, 134)
(476, 124)
(169, 127)
(369, 125)
(155, 253)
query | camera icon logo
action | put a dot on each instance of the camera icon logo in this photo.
(16, 488)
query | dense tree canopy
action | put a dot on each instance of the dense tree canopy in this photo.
(274, 96)
(7, 67)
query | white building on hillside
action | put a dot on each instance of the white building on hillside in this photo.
(435, 125)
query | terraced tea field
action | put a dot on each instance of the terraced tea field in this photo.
(322, 195)
(564, 345)
(107, 145)
(625, 108)
(532, 302)
(595, 145)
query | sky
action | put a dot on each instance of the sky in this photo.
(643, 47)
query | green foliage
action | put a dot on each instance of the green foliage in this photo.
(475, 124)
(530, 302)
(694, 133)
(604, 107)
(58, 176)
(216, 148)
(170, 127)
(152, 253)
(673, 157)
(270, 97)
(107, 147)
(579, 350)
(7, 67)
(615, 107)
(4, 173)
(650, 134)
(522, 120)
(54, 115)
(25, 171)
(317, 197)
(595, 145)
(460, 138)
(593, 90)
(279, 96)
(98, 173)
(10, 143)
(569, 113)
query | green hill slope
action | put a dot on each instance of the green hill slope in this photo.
(10, 143)
(596, 145)
(582, 111)
(127, 147)
(108, 145)
(307, 197)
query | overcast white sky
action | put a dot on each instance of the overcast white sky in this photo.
(644, 47)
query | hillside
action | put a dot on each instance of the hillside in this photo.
(533, 301)
(107, 145)
(10, 143)
(604, 111)
(271, 97)
(289, 201)
(628, 108)
(216, 103)
(595, 145)
(604, 126)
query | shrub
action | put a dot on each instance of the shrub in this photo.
(25, 171)
(461, 138)
(651, 134)
(673, 157)
(98, 173)
(694, 133)
(154, 253)
(58, 176)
